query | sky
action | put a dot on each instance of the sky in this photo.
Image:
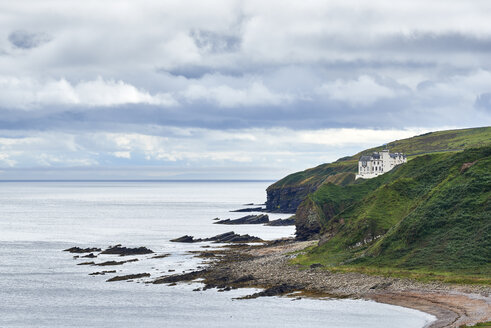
(230, 89)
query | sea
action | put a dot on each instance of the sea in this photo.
(42, 286)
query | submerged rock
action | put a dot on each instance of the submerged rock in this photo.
(124, 251)
(248, 219)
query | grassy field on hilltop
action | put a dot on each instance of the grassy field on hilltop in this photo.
(450, 140)
(429, 218)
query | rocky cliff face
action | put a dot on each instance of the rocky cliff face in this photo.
(287, 199)
(308, 220)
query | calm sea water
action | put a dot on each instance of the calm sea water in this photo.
(41, 286)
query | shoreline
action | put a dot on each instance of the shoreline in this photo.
(267, 267)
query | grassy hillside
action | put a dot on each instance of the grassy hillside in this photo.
(286, 194)
(432, 214)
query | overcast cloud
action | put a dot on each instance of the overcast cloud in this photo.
(214, 89)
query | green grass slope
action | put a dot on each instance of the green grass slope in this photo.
(288, 192)
(431, 214)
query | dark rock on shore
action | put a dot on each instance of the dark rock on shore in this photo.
(86, 263)
(161, 256)
(228, 237)
(129, 276)
(248, 219)
(232, 237)
(274, 291)
(124, 251)
(180, 277)
(250, 209)
(82, 250)
(282, 222)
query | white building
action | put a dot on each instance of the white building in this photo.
(378, 163)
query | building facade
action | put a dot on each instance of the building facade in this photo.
(378, 163)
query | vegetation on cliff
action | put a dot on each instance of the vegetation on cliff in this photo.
(287, 194)
(432, 214)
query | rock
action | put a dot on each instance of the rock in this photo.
(286, 199)
(185, 239)
(82, 250)
(382, 285)
(161, 256)
(274, 291)
(466, 166)
(232, 237)
(248, 219)
(124, 251)
(308, 220)
(250, 209)
(228, 237)
(115, 262)
(316, 265)
(241, 239)
(282, 222)
(129, 276)
(86, 263)
(90, 256)
(102, 273)
(243, 279)
(180, 277)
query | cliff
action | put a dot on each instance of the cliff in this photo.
(432, 213)
(286, 195)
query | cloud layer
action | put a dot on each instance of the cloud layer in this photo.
(91, 68)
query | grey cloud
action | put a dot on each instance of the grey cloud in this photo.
(27, 40)
(198, 71)
(214, 42)
(437, 42)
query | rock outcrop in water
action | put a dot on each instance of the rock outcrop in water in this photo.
(250, 209)
(282, 222)
(124, 251)
(79, 250)
(129, 277)
(249, 219)
(228, 237)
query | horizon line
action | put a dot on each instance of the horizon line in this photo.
(138, 180)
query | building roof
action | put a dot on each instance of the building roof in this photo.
(366, 158)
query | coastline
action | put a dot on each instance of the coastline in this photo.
(267, 267)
